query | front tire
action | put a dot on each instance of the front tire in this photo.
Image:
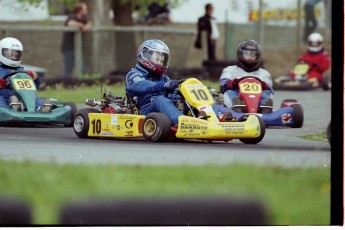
(298, 116)
(156, 127)
(256, 140)
(81, 122)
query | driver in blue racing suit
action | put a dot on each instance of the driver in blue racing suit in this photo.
(148, 83)
(10, 58)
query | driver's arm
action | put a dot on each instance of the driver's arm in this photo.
(138, 84)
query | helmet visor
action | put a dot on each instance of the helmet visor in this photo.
(250, 55)
(14, 55)
(157, 57)
(314, 43)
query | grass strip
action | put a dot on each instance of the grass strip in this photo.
(291, 196)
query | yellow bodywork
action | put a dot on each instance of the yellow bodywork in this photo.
(115, 125)
(194, 128)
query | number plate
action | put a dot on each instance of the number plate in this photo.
(24, 84)
(250, 87)
(301, 69)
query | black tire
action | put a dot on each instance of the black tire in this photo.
(287, 100)
(156, 127)
(329, 132)
(298, 116)
(74, 110)
(81, 122)
(326, 83)
(256, 140)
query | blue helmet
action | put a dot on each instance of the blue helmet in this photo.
(154, 55)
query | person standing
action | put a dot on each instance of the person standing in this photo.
(208, 23)
(77, 19)
(310, 22)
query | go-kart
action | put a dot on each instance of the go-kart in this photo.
(22, 108)
(297, 79)
(119, 118)
(250, 93)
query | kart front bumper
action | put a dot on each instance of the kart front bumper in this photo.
(61, 115)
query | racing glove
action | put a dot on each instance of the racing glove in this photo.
(3, 83)
(32, 74)
(171, 85)
(265, 86)
(232, 84)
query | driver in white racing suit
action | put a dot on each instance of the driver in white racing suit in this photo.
(248, 65)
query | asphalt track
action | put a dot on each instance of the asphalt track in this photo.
(280, 146)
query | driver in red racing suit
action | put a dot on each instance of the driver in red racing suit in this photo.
(11, 51)
(316, 57)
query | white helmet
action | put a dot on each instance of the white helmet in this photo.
(11, 52)
(315, 42)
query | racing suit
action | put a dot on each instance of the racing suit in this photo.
(149, 90)
(318, 63)
(6, 93)
(235, 72)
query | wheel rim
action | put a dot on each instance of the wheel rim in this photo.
(150, 127)
(78, 124)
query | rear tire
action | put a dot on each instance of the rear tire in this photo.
(74, 110)
(256, 140)
(81, 122)
(326, 83)
(156, 127)
(298, 116)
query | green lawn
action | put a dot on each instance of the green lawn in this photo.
(291, 196)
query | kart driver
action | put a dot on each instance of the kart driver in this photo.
(316, 57)
(249, 57)
(11, 53)
(147, 82)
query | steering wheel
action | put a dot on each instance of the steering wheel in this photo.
(179, 82)
(13, 73)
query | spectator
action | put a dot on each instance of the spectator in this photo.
(77, 19)
(208, 23)
(310, 19)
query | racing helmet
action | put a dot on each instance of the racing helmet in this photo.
(249, 54)
(11, 52)
(154, 55)
(315, 42)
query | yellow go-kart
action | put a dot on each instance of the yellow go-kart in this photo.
(118, 118)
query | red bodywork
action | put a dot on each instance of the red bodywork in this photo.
(250, 91)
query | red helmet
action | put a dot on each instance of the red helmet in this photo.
(153, 55)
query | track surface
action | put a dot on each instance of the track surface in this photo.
(280, 146)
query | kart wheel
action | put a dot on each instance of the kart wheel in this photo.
(287, 102)
(81, 122)
(326, 83)
(257, 139)
(74, 110)
(297, 116)
(156, 127)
